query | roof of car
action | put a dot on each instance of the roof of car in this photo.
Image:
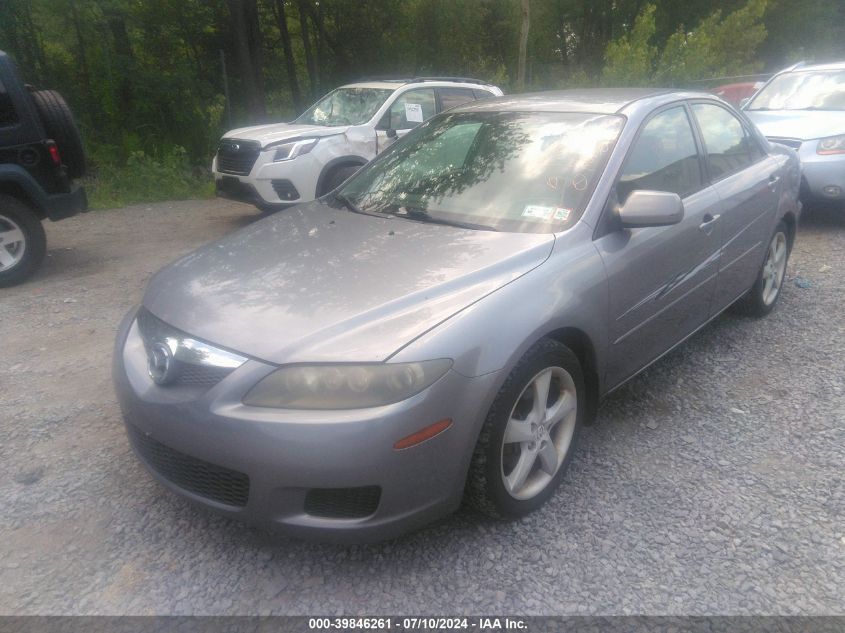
(825, 66)
(594, 100)
(392, 83)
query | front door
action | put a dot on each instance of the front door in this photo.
(407, 111)
(661, 279)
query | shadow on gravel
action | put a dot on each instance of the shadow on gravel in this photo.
(823, 215)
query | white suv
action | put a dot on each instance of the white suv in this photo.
(280, 164)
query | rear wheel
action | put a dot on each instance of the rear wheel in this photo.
(22, 241)
(766, 291)
(527, 441)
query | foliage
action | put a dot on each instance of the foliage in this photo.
(718, 46)
(630, 59)
(143, 75)
(146, 178)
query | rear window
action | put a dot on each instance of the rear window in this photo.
(8, 116)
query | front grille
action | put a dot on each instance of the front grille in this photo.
(203, 478)
(237, 157)
(199, 375)
(794, 143)
(285, 189)
(342, 503)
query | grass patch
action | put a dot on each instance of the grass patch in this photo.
(146, 178)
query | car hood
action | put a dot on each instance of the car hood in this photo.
(800, 124)
(317, 284)
(275, 132)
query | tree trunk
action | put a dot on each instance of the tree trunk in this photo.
(523, 45)
(244, 15)
(290, 63)
(310, 63)
(124, 57)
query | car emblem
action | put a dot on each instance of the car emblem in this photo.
(160, 364)
(235, 147)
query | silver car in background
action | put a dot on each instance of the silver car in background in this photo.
(441, 326)
(803, 107)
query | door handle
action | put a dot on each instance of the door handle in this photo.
(773, 181)
(708, 222)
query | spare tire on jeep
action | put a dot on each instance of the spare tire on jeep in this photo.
(61, 127)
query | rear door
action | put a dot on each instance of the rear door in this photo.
(746, 180)
(661, 279)
(453, 97)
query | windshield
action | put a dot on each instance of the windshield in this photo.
(345, 106)
(811, 90)
(510, 171)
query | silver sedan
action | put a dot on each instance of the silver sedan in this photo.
(803, 107)
(441, 326)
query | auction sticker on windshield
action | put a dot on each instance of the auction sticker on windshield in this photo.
(538, 212)
(413, 113)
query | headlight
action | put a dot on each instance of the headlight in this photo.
(832, 145)
(289, 151)
(345, 386)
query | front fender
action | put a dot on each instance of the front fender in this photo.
(567, 291)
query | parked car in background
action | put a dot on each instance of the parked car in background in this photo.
(735, 93)
(41, 155)
(274, 166)
(443, 324)
(803, 107)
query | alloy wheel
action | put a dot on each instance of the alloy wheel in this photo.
(774, 269)
(539, 433)
(12, 243)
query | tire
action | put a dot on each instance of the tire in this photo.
(336, 178)
(496, 461)
(61, 127)
(763, 296)
(19, 258)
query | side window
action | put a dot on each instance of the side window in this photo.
(453, 97)
(483, 94)
(728, 148)
(8, 116)
(663, 158)
(412, 108)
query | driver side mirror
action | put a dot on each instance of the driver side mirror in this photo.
(390, 133)
(651, 208)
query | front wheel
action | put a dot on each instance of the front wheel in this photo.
(336, 178)
(22, 241)
(767, 288)
(529, 435)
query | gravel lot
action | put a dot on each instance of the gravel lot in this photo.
(713, 483)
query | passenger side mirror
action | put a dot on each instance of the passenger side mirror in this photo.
(651, 208)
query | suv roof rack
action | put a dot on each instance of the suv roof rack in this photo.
(410, 80)
(465, 80)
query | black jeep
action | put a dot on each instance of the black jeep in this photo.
(40, 155)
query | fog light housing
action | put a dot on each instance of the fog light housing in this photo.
(832, 191)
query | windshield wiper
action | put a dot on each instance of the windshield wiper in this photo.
(423, 216)
(346, 202)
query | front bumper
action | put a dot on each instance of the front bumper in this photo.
(271, 184)
(823, 176)
(286, 455)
